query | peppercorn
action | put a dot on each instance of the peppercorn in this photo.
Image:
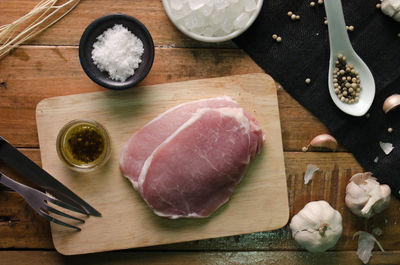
(308, 80)
(346, 81)
(312, 4)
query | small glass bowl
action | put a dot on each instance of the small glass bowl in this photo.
(64, 150)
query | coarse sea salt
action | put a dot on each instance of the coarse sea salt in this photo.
(212, 18)
(118, 52)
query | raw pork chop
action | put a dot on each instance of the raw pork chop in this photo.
(140, 146)
(195, 170)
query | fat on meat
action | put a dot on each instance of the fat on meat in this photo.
(196, 168)
(140, 146)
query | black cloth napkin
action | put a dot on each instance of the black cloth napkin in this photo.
(304, 53)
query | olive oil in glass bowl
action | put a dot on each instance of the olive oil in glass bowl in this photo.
(83, 145)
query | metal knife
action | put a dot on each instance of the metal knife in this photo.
(39, 176)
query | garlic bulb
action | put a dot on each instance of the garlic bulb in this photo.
(365, 196)
(317, 227)
(391, 8)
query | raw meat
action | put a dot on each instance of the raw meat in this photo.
(188, 161)
(140, 146)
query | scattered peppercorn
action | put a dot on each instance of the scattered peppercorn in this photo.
(279, 39)
(308, 80)
(326, 22)
(351, 28)
(304, 149)
(320, 2)
(290, 13)
(378, 6)
(390, 130)
(346, 81)
(274, 36)
(293, 17)
(297, 17)
(312, 4)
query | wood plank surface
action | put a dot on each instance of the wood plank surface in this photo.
(55, 71)
(199, 258)
(328, 184)
(68, 31)
(48, 66)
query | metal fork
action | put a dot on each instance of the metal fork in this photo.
(39, 202)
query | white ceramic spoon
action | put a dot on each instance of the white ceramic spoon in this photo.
(339, 43)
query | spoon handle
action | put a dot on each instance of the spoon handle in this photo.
(338, 38)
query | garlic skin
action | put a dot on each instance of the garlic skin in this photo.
(391, 8)
(365, 197)
(317, 227)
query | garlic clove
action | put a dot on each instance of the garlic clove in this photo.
(324, 141)
(391, 103)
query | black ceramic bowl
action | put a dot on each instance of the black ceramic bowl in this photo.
(95, 29)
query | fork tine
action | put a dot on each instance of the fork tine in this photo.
(54, 220)
(65, 205)
(51, 209)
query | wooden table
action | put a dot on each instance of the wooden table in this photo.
(48, 66)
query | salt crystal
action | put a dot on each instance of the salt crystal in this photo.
(241, 20)
(117, 51)
(250, 5)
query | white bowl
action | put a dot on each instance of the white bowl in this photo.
(199, 37)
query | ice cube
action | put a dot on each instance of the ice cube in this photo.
(208, 31)
(176, 4)
(241, 20)
(193, 21)
(250, 5)
(221, 4)
(227, 25)
(233, 11)
(181, 13)
(216, 17)
(207, 9)
(196, 4)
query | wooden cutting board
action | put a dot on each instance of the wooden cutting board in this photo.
(259, 203)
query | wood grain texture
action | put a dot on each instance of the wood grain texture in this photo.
(55, 71)
(68, 31)
(125, 112)
(199, 258)
(334, 172)
(35, 72)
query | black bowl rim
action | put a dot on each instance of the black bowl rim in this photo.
(98, 22)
